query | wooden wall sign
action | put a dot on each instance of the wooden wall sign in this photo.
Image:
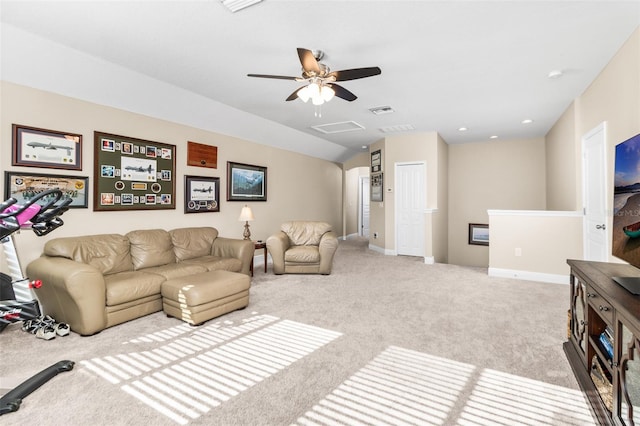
(201, 155)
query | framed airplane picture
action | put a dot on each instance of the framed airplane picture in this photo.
(34, 147)
(201, 194)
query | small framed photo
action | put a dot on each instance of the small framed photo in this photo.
(377, 194)
(246, 182)
(376, 161)
(479, 234)
(25, 186)
(33, 147)
(201, 194)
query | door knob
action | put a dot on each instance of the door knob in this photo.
(600, 226)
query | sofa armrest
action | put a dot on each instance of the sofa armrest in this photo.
(328, 246)
(71, 292)
(239, 249)
(277, 244)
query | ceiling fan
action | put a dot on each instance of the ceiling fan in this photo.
(321, 80)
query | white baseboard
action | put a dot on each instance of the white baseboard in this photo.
(386, 252)
(529, 276)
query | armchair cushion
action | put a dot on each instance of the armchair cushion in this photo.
(302, 233)
(302, 254)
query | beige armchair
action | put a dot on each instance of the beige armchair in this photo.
(303, 247)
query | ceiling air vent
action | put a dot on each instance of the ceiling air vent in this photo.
(397, 128)
(236, 5)
(381, 110)
(341, 127)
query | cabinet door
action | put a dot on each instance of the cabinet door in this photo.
(578, 313)
(627, 403)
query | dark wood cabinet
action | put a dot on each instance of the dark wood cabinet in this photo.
(603, 346)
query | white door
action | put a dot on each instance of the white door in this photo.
(594, 148)
(364, 207)
(410, 208)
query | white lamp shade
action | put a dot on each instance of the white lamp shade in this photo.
(246, 214)
(327, 93)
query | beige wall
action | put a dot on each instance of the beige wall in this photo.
(299, 187)
(425, 147)
(491, 175)
(613, 97)
(518, 245)
(563, 173)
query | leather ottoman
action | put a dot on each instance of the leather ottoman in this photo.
(200, 297)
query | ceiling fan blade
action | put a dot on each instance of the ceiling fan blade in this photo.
(279, 77)
(294, 95)
(343, 93)
(308, 61)
(355, 73)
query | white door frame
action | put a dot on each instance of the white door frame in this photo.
(423, 164)
(361, 199)
(600, 128)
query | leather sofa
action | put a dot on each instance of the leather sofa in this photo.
(303, 247)
(97, 281)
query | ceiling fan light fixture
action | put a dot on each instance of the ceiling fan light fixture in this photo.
(303, 94)
(327, 93)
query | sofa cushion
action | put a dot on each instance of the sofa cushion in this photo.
(189, 243)
(175, 270)
(216, 263)
(108, 253)
(302, 254)
(125, 287)
(304, 233)
(150, 247)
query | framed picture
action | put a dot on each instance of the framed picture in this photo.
(201, 194)
(376, 187)
(246, 182)
(133, 174)
(33, 147)
(376, 161)
(479, 234)
(24, 186)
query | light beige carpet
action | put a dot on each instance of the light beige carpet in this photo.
(383, 340)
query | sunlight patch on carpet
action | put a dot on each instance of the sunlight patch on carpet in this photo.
(186, 378)
(398, 387)
(501, 398)
(405, 387)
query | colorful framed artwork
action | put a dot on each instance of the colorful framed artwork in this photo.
(201, 194)
(246, 182)
(34, 147)
(24, 186)
(133, 174)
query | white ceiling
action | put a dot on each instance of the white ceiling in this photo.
(478, 64)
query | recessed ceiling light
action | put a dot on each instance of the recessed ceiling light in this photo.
(527, 121)
(364, 147)
(462, 129)
(493, 137)
(555, 74)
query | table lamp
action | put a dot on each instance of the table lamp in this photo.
(245, 216)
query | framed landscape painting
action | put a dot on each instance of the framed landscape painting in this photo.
(479, 234)
(246, 182)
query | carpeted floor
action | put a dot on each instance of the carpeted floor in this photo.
(382, 340)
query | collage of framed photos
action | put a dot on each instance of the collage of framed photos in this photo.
(133, 174)
(128, 173)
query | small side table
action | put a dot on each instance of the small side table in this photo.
(260, 245)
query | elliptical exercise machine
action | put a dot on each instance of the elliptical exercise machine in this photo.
(17, 299)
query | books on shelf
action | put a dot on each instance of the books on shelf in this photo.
(606, 341)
